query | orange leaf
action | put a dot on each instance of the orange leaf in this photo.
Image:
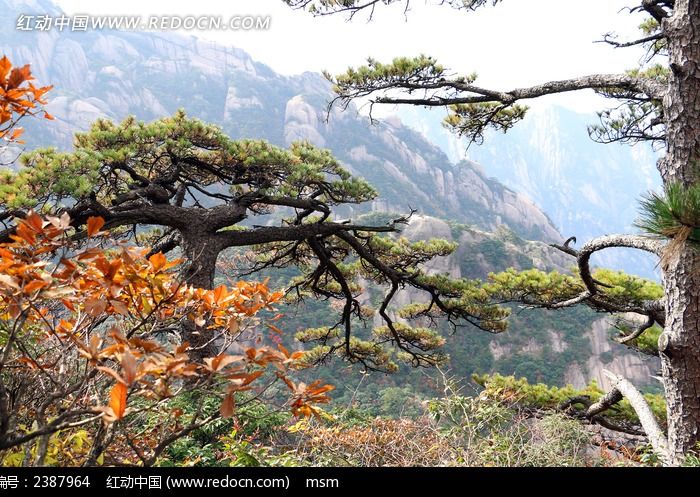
(117, 400)
(157, 261)
(94, 224)
(283, 349)
(274, 328)
(252, 377)
(96, 307)
(219, 362)
(146, 345)
(129, 367)
(25, 234)
(16, 133)
(30, 362)
(315, 392)
(220, 294)
(68, 304)
(5, 66)
(112, 373)
(120, 307)
(227, 407)
(89, 253)
(35, 285)
(18, 75)
(34, 221)
(234, 325)
(287, 382)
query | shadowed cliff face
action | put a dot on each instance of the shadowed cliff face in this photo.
(113, 74)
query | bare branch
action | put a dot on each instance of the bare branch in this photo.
(646, 417)
(168, 242)
(591, 295)
(637, 332)
(351, 8)
(609, 241)
(610, 40)
(606, 402)
(480, 95)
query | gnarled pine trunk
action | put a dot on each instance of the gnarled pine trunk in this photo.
(202, 250)
(680, 343)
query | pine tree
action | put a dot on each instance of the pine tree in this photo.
(660, 103)
(193, 188)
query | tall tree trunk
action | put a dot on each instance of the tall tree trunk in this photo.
(202, 250)
(680, 343)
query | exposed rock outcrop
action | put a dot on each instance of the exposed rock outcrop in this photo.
(608, 355)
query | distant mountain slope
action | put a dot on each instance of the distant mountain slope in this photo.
(114, 74)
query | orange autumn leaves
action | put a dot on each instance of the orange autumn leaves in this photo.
(18, 98)
(119, 312)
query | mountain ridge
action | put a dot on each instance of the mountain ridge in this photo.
(114, 74)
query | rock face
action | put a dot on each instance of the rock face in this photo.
(611, 356)
(301, 122)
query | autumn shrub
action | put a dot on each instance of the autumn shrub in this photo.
(382, 442)
(557, 440)
(92, 367)
(19, 98)
(456, 430)
(252, 434)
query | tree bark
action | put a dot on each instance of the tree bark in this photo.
(202, 250)
(679, 345)
(623, 388)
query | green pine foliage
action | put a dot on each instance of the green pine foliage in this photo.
(45, 171)
(401, 69)
(108, 160)
(541, 288)
(668, 214)
(472, 120)
(525, 394)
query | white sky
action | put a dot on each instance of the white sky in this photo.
(517, 43)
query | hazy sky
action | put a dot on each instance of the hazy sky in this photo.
(514, 44)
